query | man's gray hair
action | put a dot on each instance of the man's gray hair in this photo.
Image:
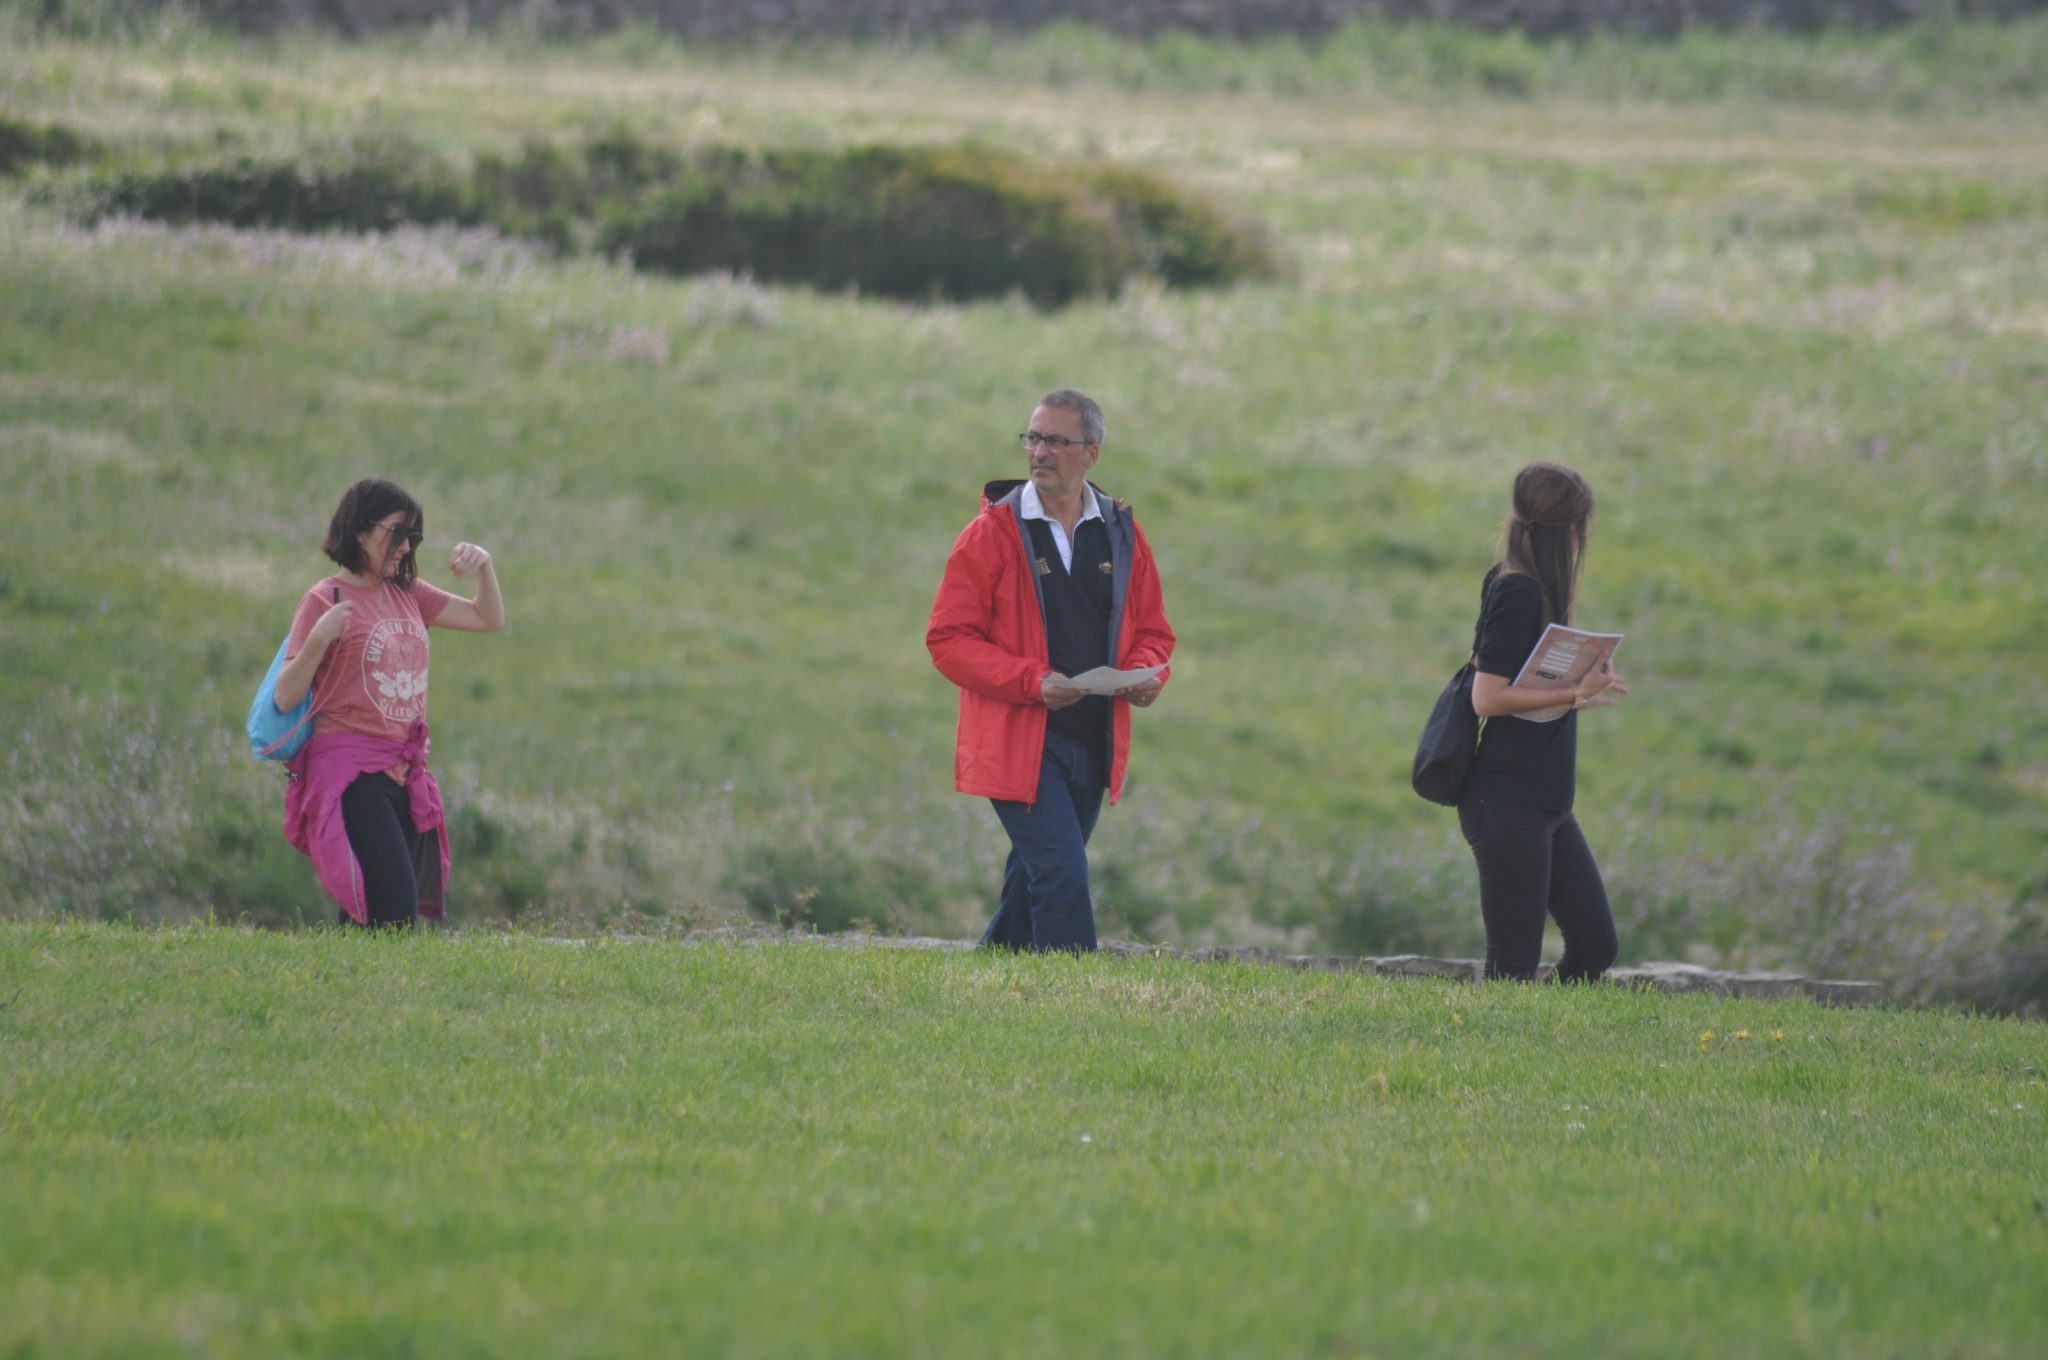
(1067, 399)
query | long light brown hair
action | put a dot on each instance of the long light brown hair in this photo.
(1544, 535)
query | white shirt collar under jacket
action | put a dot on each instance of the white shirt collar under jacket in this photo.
(1030, 507)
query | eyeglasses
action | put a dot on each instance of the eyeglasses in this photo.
(1031, 439)
(397, 532)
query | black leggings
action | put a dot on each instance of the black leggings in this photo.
(377, 811)
(1534, 863)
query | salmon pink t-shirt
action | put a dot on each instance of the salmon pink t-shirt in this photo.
(373, 679)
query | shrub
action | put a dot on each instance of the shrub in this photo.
(369, 190)
(1816, 898)
(1185, 241)
(955, 222)
(236, 866)
(23, 145)
(540, 195)
(962, 222)
(2023, 986)
(502, 875)
(827, 879)
(619, 165)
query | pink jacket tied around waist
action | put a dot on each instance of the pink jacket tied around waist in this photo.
(320, 773)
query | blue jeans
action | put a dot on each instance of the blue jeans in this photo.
(1045, 903)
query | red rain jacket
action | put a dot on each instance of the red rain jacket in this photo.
(987, 635)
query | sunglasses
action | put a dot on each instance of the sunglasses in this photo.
(407, 532)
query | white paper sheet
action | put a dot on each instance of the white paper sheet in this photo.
(1107, 679)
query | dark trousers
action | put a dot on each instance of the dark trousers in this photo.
(1045, 903)
(1533, 864)
(377, 812)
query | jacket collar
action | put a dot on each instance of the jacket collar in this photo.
(1011, 490)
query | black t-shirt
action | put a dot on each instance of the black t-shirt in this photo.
(1077, 605)
(1528, 764)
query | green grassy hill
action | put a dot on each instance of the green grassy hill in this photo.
(323, 1144)
(1797, 350)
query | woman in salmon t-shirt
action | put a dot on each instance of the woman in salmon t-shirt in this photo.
(361, 801)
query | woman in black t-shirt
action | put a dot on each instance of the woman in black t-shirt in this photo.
(1516, 806)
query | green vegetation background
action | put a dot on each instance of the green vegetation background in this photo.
(1784, 302)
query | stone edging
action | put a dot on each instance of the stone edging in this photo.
(1664, 977)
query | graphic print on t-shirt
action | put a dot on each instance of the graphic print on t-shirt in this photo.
(395, 668)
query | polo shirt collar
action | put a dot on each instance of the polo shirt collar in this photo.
(1030, 507)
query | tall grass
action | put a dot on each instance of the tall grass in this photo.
(1797, 355)
(1938, 61)
(144, 823)
(1935, 61)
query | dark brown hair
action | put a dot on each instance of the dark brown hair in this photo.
(1538, 540)
(363, 507)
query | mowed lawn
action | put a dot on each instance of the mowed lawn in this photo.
(235, 1144)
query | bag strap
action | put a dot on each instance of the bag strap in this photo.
(1485, 598)
(288, 735)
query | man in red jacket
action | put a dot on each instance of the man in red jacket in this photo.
(1052, 579)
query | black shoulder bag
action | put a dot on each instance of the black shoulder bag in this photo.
(1452, 733)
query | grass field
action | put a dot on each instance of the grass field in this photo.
(232, 1143)
(1795, 342)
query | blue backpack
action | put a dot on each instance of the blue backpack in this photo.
(275, 735)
